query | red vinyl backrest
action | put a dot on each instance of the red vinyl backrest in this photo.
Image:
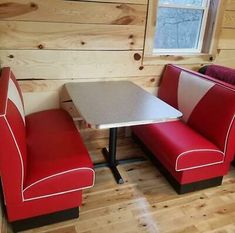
(13, 157)
(207, 106)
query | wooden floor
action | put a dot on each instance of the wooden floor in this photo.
(147, 203)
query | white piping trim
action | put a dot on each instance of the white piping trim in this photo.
(21, 160)
(205, 76)
(58, 174)
(7, 93)
(14, 96)
(204, 165)
(226, 138)
(56, 194)
(190, 151)
(13, 136)
(22, 165)
(209, 164)
(228, 132)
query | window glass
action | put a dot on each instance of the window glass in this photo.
(178, 28)
(182, 27)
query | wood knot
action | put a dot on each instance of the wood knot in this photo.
(125, 20)
(33, 5)
(202, 205)
(7, 4)
(40, 46)
(130, 36)
(83, 43)
(137, 56)
(11, 56)
(211, 58)
(141, 68)
(152, 80)
(120, 6)
(132, 43)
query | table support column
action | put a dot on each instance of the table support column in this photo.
(110, 155)
(112, 146)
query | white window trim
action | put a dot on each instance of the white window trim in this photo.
(185, 56)
(186, 6)
(205, 9)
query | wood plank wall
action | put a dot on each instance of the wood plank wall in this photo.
(48, 43)
(226, 46)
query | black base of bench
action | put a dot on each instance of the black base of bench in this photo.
(233, 163)
(179, 188)
(43, 220)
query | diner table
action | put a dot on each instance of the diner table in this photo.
(114, 104)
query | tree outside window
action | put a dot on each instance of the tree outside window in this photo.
(180, 25)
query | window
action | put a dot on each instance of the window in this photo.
(181, 26)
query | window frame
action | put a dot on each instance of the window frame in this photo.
(209, 44)
(205, 9)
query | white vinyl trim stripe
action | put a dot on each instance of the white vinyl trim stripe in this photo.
(188, 98)
(13, 136)
(14, 96)
(9, 77)
(227, 136)
(58, 174)
(55, 194)
(21, 160)
(198, 150)
(9, 127)
(204, 165)
(224, 152)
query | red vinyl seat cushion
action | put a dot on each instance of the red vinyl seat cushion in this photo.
(57, 157)
(178, 145)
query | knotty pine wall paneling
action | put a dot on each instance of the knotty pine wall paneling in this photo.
(226, 46)
(57, 41)
(48, 43)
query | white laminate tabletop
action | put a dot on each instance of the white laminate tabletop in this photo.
(112, 104)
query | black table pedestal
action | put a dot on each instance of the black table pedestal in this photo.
(110, 157)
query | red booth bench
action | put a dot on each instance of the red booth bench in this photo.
(196, 151)
(44, 165)
(222, 74)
